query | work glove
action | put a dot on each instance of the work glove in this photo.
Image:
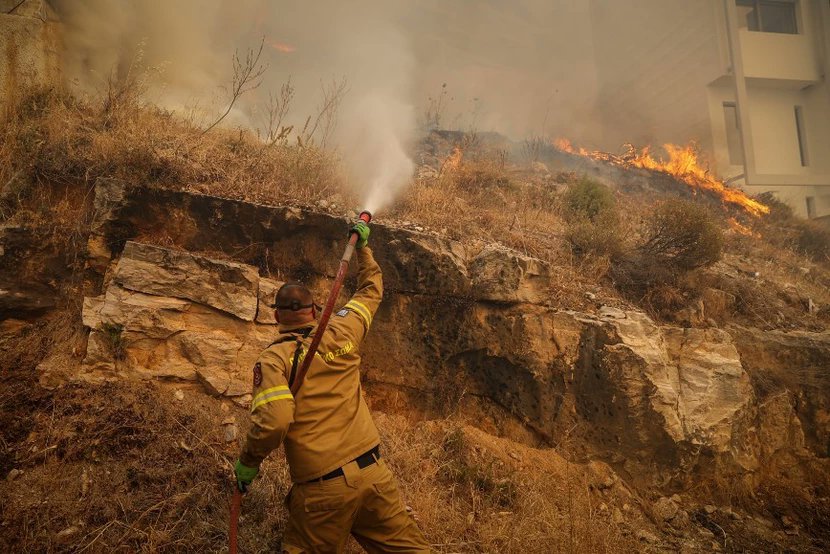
(244, 476)
(362, 231)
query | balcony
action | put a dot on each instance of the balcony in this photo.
(788, 58)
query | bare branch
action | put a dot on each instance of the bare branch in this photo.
(247, 76)
(277, 110)
(326, 119)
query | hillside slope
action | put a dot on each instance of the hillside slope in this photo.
(529, 397)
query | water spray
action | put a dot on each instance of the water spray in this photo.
(236, 501)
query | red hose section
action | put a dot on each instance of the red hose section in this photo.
(236, 503)
(366, 217)
(324, 319)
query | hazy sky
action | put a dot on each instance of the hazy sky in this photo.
(521, 59)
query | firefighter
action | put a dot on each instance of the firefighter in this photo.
(341, 483)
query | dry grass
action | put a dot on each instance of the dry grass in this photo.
(50, 138)
(475, 493)
(479, 199)
(127, 466)
(124, 466)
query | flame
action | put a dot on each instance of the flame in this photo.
(565, 145)
(740, 228)
(453, 161)
(684, 164)
(281, 46)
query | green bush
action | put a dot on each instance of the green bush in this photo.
(477, 475)
(681, 235)
(114, 335)
(591, 212)
(588, 199)
(598, 237)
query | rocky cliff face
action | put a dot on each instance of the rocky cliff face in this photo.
(472, 331)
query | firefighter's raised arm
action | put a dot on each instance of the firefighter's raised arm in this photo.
(359, 312)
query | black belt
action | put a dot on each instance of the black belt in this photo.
(364, 460)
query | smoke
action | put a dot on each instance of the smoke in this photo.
(523, 68)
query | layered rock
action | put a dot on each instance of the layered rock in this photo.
(171, 314)
(458, 330)
(228, 286)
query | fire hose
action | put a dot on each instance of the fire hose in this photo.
(236, 501)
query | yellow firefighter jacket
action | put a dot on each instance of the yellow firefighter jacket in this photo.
(328, 423)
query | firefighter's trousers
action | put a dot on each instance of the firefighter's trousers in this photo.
(364, 502)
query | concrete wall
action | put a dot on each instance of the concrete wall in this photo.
(29, 47)
(774, 134)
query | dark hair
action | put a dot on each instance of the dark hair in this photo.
(293, 296)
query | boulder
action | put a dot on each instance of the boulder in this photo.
(797, 362)
(610, 312)
(228, 286)
(503, 275)
(712, 386)
(659, 392)
(425, 264)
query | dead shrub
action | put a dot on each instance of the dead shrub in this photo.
(813, 240)
(599, 237)
(785, 230)
(481, 176)
(52, 138)
(682, 235)
(679, 238)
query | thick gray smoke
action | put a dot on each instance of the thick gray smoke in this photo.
(519, 68)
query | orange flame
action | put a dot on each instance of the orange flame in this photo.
(740, 228)
(453, 161)
(683, 164)
(565, 145)
(281, 46)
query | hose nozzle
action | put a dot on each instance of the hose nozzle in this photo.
(365, 216)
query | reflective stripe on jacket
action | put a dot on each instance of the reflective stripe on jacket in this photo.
(328, 424)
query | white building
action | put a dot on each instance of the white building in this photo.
(747, 79)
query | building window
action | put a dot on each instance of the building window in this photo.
(768, 16)
(802, 136)
(733, 133)
(811, 207)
